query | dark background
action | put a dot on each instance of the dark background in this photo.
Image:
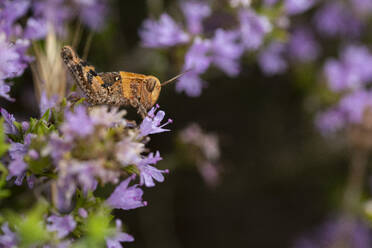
(281, 177)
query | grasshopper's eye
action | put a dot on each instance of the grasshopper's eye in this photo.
(150, 84)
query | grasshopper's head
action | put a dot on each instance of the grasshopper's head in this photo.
(153, 87)
(69, 56)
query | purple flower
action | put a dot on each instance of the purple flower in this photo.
(227, 51)
(62, 225)
(294, 7)
(355, 104)
(18, 149)
(36, 29)
(102, 115)
(302, 45)
(80, 173)
(148, 173)
(55, 12)
(163, 33)
(58, 146)
(335, 18)
(17, 166)
(271, 59)
(362, 6)
(16, 169)
(330, 121)
(210, 173)
(352, 71)
(195, 12)
(77, 123)
(92, 13)
(128, 151)
(13, 60)
(253, 28)
(9, 238)
(47, 103)
(151, 123)
(119, 236)
(125, 197)
(191, 84)
(337, 233)
(9, 127)
(4, 91)
(10, 12)
(83, 213)
(197, 58)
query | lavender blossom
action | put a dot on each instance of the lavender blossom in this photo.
(352, 71)
(17, 166)
(191, 84)
(128, 151)
(151, 123)
(20, 149)
(9, 127)
(62, 225)
(197, 58)
(302, 45)
(330, 121)
(54, 12)
(334, 18)
(227, 51)
(163, 33)
(294, 7)
(210, 173)
(13, 61)
(9, 238)
(119, 236)
(106, 117)
(355, 104)
(57, 147)
(337, 233)
(10, 12)
(4, 91)
(78, 173)
(253, 28)
(362, 6)
(92, 13)
(83, 213)
(148, 173)
(125, 197)
(77, 123)
(36, 29)
(16, 169)
(271, 59)
(47, 103)
(195, 12)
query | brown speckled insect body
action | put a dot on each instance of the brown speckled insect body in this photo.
(113, 88)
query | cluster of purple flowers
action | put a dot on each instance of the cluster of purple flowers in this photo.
(224, 48)
(83, 150)
(43, 16)
(348, 76)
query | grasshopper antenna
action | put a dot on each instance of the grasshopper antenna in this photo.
(175, 78)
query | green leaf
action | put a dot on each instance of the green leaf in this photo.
(3, 146)
(98, 228)
(39, 166)
(31, 227)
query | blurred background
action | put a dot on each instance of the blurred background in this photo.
(278, 177)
